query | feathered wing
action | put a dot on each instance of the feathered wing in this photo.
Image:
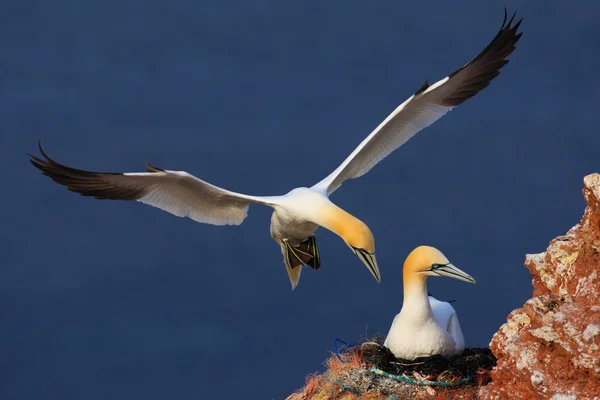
(442, 312)
(445, 316)
(456, 333)
(175, 192)
(426, 106)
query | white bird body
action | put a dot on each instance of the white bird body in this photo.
(445, 316)
(300, 212)
(426, 326)
(420, 330)
(285, 224)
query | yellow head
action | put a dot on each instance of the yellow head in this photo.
(355, 233)
(427, 261)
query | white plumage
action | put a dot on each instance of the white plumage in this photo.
(426, 326)
(299, 213)
(445, 316)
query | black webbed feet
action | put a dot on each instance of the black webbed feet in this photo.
(309, 246)
(295, 257)
(305, 253)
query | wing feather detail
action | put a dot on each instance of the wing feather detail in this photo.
(176, 192)
(427, 105)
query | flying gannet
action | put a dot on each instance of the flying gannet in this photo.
(300, 212)
(426, 326)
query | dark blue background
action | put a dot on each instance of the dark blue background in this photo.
(115, 300)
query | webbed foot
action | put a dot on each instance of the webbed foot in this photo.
(309, 246)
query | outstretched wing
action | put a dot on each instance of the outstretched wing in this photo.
(175, 192)
(426, 106)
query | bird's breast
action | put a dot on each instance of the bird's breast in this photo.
(285, 225)
(409, 340)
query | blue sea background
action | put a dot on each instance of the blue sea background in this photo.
(116, 300)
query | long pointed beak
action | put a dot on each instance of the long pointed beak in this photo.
(369, 260)
(451, 271)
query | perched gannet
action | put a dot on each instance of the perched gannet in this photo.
(300, 212)
(426, 326)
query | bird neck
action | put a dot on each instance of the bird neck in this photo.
(416, 299)
(352, 230)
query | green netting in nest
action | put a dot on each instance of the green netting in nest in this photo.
(370, 371)
(432, 368)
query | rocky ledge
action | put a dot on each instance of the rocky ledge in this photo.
(550, 348)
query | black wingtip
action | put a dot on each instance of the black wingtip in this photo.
(481, 70)
(37, 161)
(41, 149)
(509, 25)
(43, 153)
(151, 168)
(31, 156)
(423, 87)
(100, 185)
(512, 19)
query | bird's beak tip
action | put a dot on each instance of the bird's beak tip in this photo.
(451, 271)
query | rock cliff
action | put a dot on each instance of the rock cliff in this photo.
(550, 348)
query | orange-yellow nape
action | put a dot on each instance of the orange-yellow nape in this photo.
(423, 257)
(355, 233)
(427, 261)
(420, 260)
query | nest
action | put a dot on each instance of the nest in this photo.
(436, 368)
(349, 375)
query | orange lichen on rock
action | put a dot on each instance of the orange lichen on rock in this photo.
(550, 348)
